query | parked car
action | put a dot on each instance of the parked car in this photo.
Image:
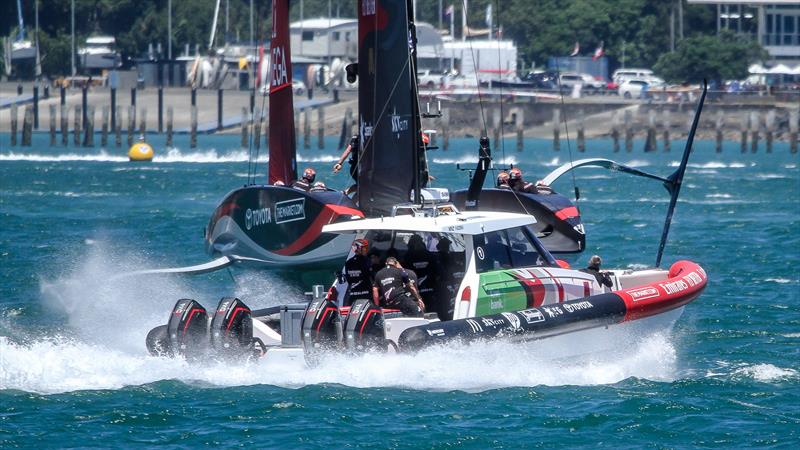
(542, 80)
(590, 84)
(633, 88)
(429, 80)
(459, 81)
(621, 75)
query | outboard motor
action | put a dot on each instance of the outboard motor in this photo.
(322, 329)
(364, 327)
(187, 329)
(231, 329)
(157, 341)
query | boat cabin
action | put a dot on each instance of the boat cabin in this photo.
(467, 264)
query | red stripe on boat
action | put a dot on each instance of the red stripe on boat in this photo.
(567, 213)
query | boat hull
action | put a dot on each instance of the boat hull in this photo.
(685, 282)
(278, 227)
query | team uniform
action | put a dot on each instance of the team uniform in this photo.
(391, 283)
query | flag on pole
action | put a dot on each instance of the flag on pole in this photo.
(576, 50)
(598, 52)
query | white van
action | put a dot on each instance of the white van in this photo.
(621, 75)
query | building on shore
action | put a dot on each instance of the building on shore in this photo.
(775, 24)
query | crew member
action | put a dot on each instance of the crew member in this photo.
(603, 278)
(351, 150)
(423, 263)
(307, 181)
(319, 186)
(374, 262)
(357, 272)
(502, 180)
(518, 184)
(394, 288)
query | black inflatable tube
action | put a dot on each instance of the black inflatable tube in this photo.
(530, 324)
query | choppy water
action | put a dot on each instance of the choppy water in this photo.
(74, 371)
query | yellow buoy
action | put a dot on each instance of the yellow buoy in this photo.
(140, 151)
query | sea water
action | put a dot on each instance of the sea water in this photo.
(74, 371)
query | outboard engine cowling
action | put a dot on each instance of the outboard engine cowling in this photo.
(231, 329)
(157, 341)
(364, 327)
(322, 328)
(187, 328)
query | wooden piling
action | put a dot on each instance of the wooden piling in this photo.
(169, 127)
(143, 122)
(193, 137)
(519, 124)
(88, 136)
(321, 128)
(104, 130)
(446, 128)
(650, 140)
(794, 124)
(496, 126)
(615, 131)
(13, 111)
(667, 122)
(770, 129)
(628, 132)
(556, 129)
(755, 124)
(52, 109)
(245, 124)
(76, 126)
(131, 122)
(64, 124)
(581, 133)
(256, 127)
(27, 126)
(307, 127)
(117, 113)
(719, 125)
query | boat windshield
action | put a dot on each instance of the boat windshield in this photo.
(512, 248)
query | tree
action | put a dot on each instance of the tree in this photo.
(717, 58)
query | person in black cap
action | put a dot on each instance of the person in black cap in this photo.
(603, 278)
(394, 288)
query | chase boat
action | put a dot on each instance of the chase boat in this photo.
(493, 279)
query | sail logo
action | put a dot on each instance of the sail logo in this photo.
(278, 63)
(290, 210)
(257, 217)
(367, 7)
(398, 124)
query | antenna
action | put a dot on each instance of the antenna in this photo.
(673, 183)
